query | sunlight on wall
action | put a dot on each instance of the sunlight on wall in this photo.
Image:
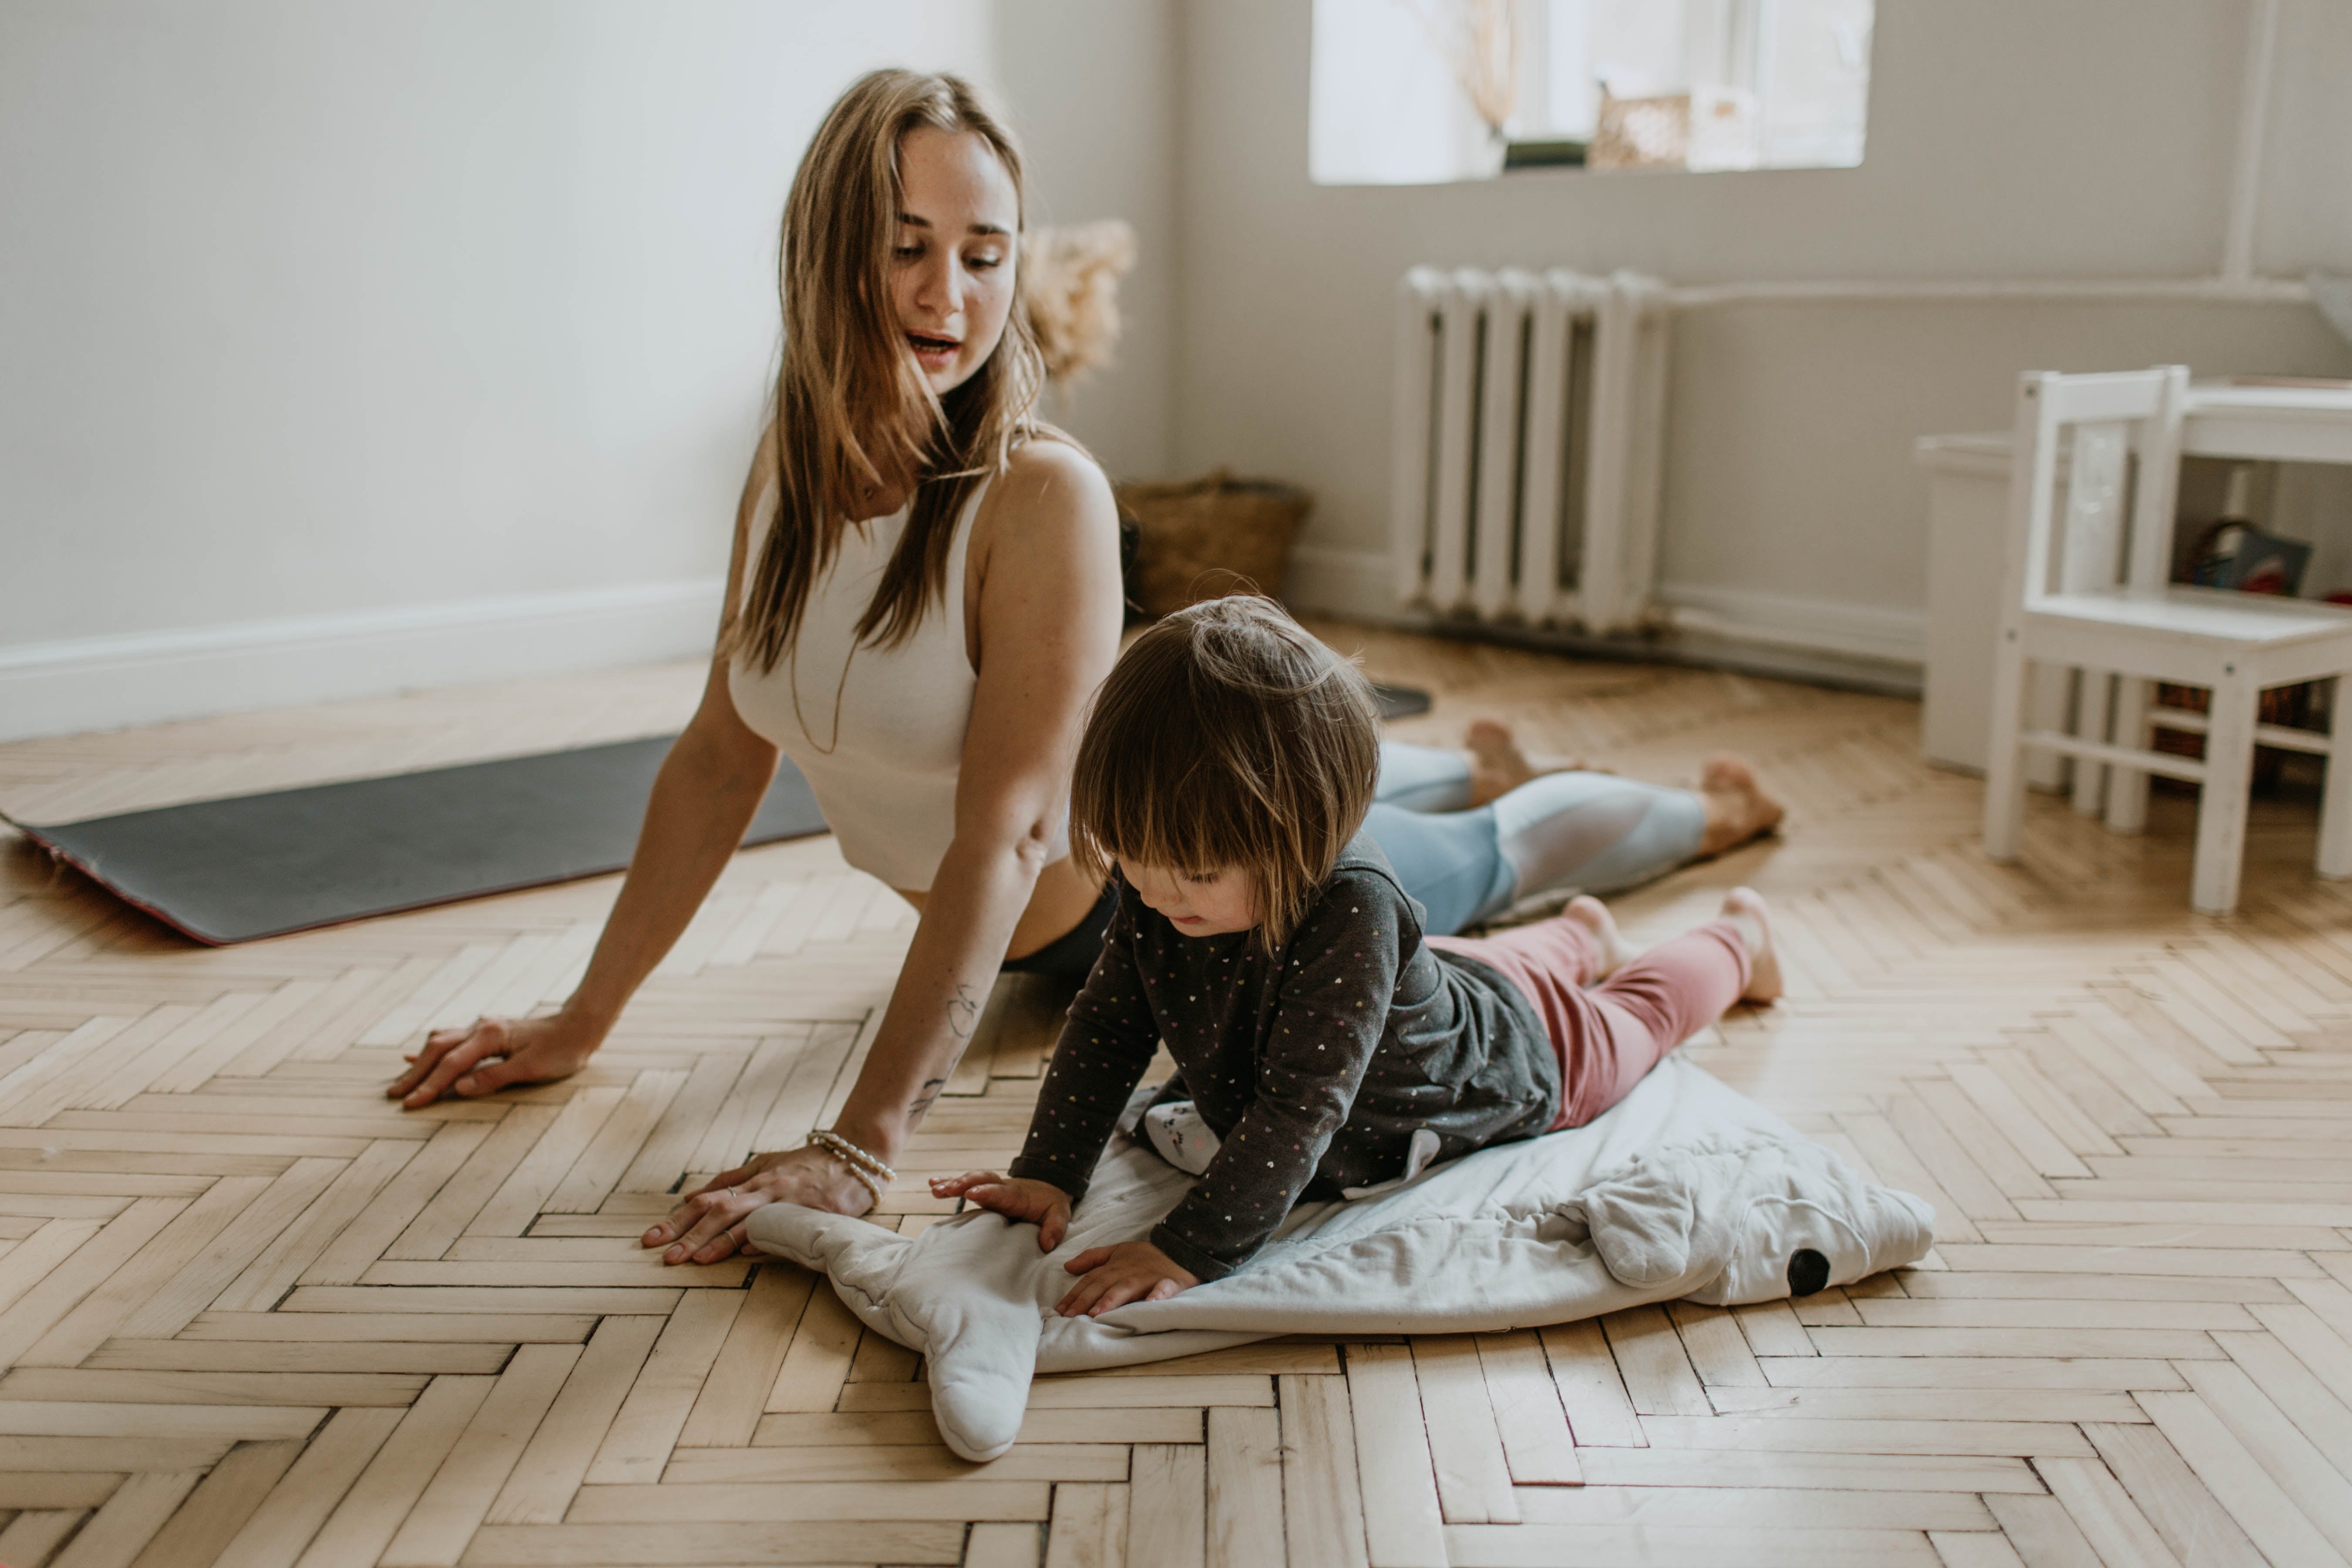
(1397, 87)
(1383, 106)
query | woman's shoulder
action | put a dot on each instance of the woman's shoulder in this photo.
(1049, 494)
(1050, 464)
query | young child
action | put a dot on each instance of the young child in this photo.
(1222, 783)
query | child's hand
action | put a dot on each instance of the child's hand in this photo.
(1041, 1203)
(1131, 1271)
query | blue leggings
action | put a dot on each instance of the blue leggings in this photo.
(1596, 833)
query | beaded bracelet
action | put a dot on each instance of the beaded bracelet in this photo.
(826, 1138)
(871, 1172)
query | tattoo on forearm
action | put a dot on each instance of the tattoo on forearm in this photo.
(963, 1018)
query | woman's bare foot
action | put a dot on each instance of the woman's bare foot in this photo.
(1594, 917)
(1737, 809)
(1744, 907)
(1498, 766)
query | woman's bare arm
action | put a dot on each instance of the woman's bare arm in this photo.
(709, 788)
(1048, 632)
(1051, 597)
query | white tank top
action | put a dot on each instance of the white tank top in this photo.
(878, 731)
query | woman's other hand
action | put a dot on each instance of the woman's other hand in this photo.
(1131, 1271)
(708, 1224)
(1041, 1203)
(491, 1053)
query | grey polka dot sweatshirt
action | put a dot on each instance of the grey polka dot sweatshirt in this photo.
(1314, 1067)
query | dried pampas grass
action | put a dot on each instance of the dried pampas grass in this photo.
(1071, 283)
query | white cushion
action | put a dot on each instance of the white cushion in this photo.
(1686, 1189)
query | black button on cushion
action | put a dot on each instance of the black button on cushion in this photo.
(1807, 1271)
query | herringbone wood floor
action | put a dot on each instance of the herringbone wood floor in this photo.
(254, 1315)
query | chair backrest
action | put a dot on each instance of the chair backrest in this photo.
(2069, 544)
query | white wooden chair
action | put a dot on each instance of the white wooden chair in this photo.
(2079, 590)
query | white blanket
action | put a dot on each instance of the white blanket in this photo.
(1686, 1189)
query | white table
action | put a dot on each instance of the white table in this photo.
(2287, 424)
(1967, 524)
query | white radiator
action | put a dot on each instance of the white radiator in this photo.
(1529, 434)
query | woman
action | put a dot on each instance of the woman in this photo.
(924, 591)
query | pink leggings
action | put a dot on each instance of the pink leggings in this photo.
(1610, 1035)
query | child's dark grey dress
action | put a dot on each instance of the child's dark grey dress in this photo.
(1314, 1069)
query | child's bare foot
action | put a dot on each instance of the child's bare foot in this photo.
(1744, 907)
(1607, 940)
(1498, 766)
(1737, 809)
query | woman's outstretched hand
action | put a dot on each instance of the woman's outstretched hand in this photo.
(708, 1225)
(1131, 1271)
(490, 1053)
(1041, 1203)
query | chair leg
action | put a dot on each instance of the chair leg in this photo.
(2221, 805)
(2049, 698)
(2335, 797)
(2127, 787)
(2090, 724)
(2004, 804)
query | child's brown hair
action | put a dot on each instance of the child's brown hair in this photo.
(1227, 736)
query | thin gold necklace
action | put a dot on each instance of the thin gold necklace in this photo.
(839, 687)
(843, 685)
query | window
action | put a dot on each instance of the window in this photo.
(1423, 91)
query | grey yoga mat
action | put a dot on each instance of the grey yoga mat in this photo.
(1399, 701)
(264, 865)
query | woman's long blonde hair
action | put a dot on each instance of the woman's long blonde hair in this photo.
(852, 411)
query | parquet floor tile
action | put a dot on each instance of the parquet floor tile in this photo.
(251, 1314)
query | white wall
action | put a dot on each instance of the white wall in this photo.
(354, 346)
(2007, 138)
(1091, 88)
(1385, 107)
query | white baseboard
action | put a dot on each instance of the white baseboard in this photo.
(1357, 583)
(1770, 633)
(1361, 583)
(1812, 625)
(105, 683)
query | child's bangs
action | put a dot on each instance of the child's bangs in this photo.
(1200, 825)
(1226, 738)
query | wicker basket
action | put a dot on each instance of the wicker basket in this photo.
(1202, 538)
(1641, 133)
